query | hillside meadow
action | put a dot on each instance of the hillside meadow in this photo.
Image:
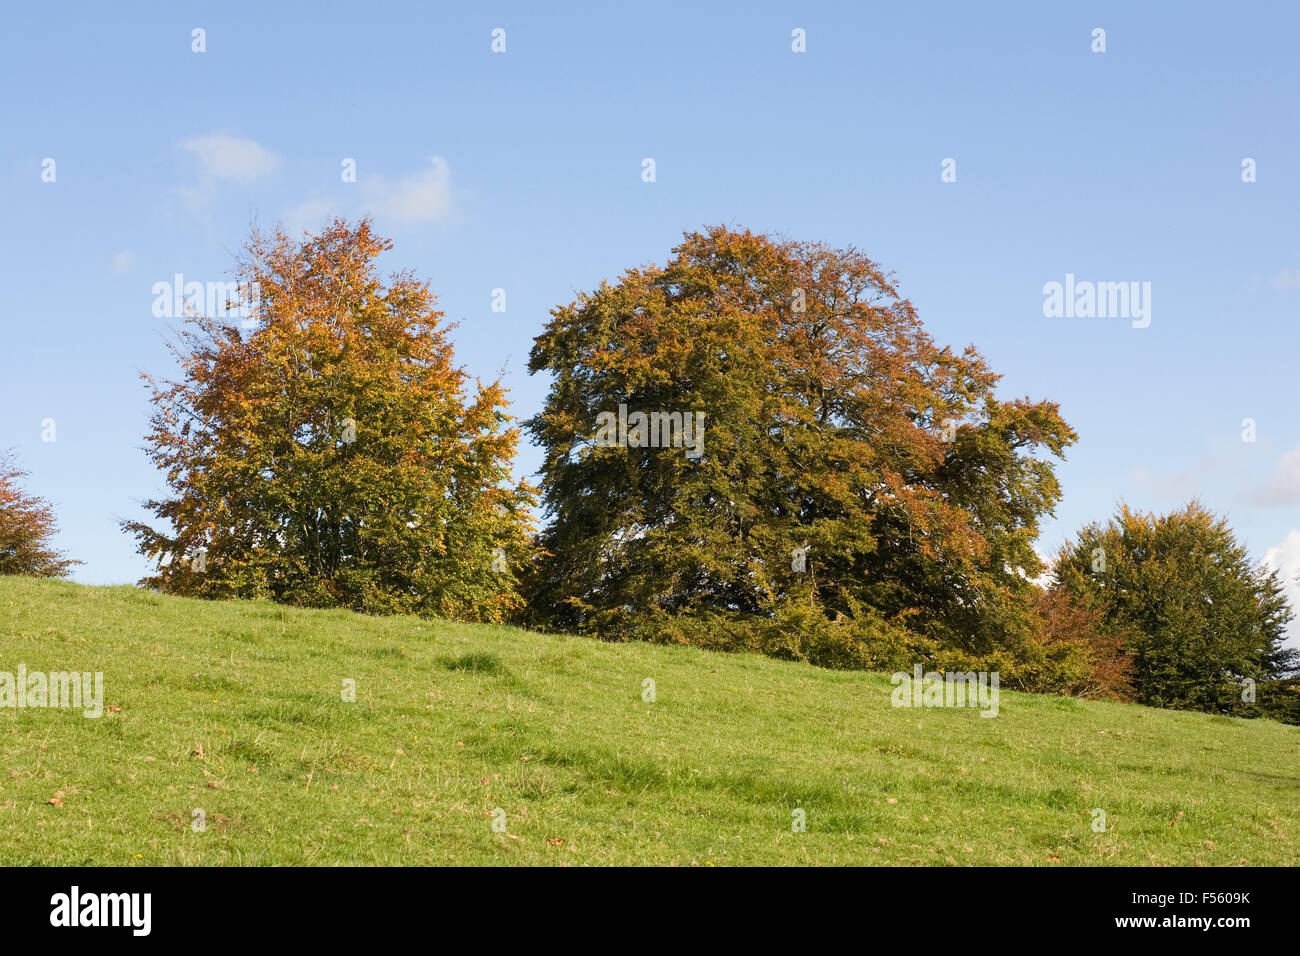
(475, 744)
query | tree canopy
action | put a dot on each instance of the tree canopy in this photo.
(333, 455)
(1200, 619)
(27, 524)
(835, 429)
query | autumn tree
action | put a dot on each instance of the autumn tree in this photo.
(333, 455)
(859, 495)
(1205, 627)
(27, 524)
(1072, 651)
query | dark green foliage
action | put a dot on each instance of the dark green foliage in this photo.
(1201, 620)
(833, 422)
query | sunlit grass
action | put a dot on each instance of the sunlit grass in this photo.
(236, 709)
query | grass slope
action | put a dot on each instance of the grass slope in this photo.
(236, 708)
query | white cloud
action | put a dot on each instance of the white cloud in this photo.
(1192, 481)
(123, 262)
(1285, 559)
(424, 197)
(310, 215)
(1182, 484)
(1049, 561)
(1286, 280)
(1284, 487)
(233, 158)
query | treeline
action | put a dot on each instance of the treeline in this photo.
(755, 446)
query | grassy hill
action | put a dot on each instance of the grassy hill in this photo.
(235, 708)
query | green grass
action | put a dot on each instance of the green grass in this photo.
(236, 708)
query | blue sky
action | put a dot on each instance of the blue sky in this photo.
(522, 170)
